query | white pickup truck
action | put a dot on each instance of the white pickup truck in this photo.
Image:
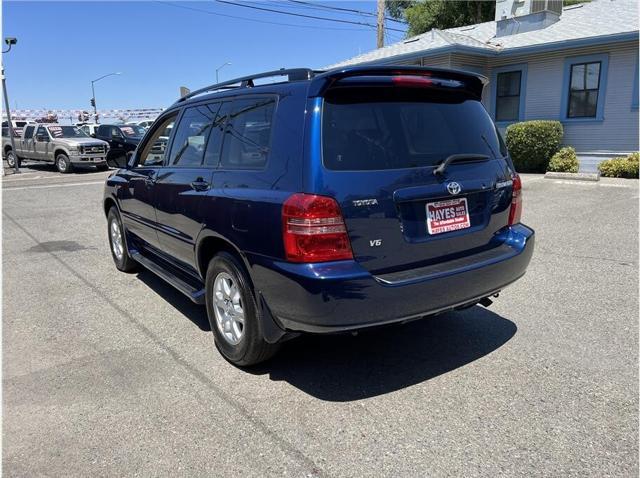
(65, 146)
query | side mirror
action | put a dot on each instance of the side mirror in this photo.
(42, 138)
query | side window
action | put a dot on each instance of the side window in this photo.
(42, 132)
(214, 144)
(154, 150)
(247, 136)
(28, 132)
(187, 149)
(103, 131)
(115, 132)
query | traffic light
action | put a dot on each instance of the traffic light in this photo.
(93, 102)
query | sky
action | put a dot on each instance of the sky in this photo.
(162, 45)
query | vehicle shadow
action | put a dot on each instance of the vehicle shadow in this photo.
(194, 312)
(341, 368)
(50, 167)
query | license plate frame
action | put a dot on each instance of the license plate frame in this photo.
(447, 216)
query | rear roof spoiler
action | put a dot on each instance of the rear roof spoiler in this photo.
(320, 83)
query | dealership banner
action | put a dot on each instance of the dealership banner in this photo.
(84, 115)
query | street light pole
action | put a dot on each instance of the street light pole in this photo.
(220, 68)
(16, 167)
(93, 93)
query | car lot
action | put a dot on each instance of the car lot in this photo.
(112, 374)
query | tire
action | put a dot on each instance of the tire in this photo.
(248, 347)
(11, 159)
(63, 164)
(119, 251)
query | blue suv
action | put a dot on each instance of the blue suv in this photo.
(328, 202)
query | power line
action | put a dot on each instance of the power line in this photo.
(301, 15)
(349, 10)
(209, 12)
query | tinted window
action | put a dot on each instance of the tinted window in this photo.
(103, 131)
(191, 136)
(248, 134)
(214, 143)
(42, 132)
(155, 148)
(393, 129)
(132, 131)
(28, 132)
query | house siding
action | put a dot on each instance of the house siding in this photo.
(544, 90)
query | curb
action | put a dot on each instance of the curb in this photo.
(574, 176)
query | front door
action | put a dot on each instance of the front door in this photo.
(184, 183)
(137, 195)
(28, 142)
(42, 143)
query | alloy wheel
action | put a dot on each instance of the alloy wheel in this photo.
(227, 304)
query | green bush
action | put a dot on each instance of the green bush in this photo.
(621, 167)
(564, 161)
(533, 143)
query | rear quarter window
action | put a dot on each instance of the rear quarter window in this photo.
(369, 129)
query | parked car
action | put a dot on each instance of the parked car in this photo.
(89, 128)
(330, 202)
(18, 125)
(122, 139)
(146, 123)
(65, 146)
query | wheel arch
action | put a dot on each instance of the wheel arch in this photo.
(108, 203)
(58, 150)
(209, 244)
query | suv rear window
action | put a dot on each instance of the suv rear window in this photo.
(372, 129)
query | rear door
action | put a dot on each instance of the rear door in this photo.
(381, 146)
(187, 179)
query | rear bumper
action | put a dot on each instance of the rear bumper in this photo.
(341, 296)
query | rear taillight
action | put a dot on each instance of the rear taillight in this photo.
(313, 229)
(516, 201)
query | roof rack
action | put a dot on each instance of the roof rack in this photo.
(292, 74)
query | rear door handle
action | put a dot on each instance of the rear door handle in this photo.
(200, 185)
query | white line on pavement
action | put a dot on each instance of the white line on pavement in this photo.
(66, 185)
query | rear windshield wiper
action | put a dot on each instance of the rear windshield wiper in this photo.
(458, 157)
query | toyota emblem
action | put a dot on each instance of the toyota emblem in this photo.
(454, 188)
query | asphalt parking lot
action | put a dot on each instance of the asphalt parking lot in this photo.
(109, 374)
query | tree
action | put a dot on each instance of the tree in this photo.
(424, 15)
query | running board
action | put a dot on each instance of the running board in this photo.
(196, 295)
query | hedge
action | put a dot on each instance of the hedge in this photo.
(533, 143)
(621, 167)
(564, 161)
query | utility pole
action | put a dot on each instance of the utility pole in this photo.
(16, 167)
(380, 23)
